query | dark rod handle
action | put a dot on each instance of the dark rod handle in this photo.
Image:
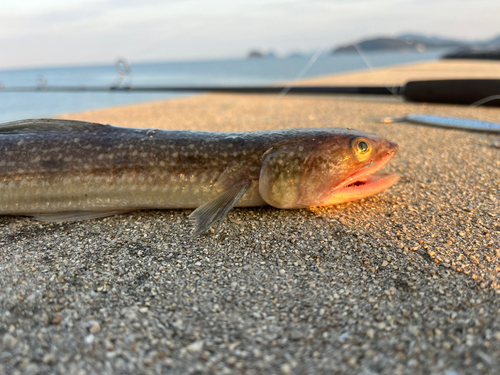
(453, 91)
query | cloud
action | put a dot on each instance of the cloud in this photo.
(96, 31)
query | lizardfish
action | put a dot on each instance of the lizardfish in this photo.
(61, 170)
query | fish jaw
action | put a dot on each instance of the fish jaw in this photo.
(364, 182)
(372, 185)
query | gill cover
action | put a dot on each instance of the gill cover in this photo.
(304, 173)
(280, 176)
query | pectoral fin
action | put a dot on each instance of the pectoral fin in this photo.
(74, 215)
(216, 210)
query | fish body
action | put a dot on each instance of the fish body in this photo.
(58, 170)
(448, 122)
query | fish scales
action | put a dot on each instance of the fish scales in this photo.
(119, 168)
(77, 170)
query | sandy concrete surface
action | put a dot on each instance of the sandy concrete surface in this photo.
(401, 283)
(401, 74)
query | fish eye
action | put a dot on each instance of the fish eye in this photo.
(362, 148)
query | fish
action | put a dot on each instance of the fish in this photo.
(62, 170)
(447, 122)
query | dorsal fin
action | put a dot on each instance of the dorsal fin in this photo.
(30, 125)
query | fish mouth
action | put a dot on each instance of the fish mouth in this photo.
(365, 182)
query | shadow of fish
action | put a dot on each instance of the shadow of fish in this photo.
(61, 170)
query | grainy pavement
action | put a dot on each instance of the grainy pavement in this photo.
(401, 283)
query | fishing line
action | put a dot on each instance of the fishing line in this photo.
(392, 89)
(485, 100)
(124, 70)
(301, 73)
(293, 82)
(283, 92)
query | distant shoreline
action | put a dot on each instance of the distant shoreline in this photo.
(414, 42)
(16, 106)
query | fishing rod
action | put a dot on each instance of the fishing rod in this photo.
(448, 91)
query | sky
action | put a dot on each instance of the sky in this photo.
(71, 32)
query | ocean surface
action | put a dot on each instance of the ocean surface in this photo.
(15, 106)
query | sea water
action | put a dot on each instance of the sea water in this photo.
(22, 105)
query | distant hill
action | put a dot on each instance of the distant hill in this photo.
(495, 42)
(486, 49)
(406, 42)
(256, 54)
(481, 50)
(474, 53)
(434, 40)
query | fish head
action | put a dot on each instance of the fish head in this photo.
(325, 167)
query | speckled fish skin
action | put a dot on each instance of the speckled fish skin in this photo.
(54, 166)
(102, 167)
